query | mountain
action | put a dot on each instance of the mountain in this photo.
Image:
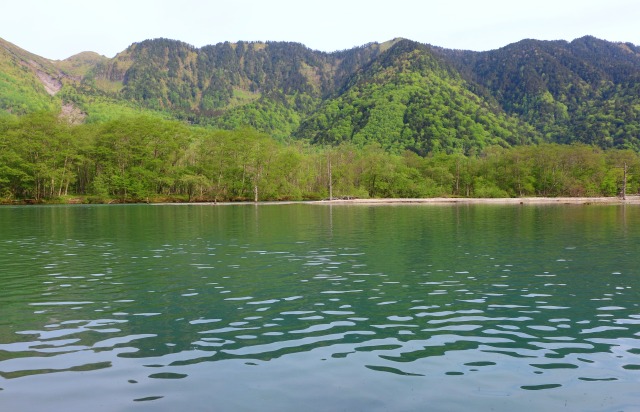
(30, 83)
(401, 94)
(269, 86)
(584, 91)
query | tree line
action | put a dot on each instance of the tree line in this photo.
(134, 159)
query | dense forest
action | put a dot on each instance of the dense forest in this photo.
(165, 121)
(43, 157)
(585, 91)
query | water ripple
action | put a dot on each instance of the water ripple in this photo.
(157, 316)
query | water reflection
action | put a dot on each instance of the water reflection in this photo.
(489, 304)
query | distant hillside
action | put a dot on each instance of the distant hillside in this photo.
(584, 91)
(30, 84)
(269, 86)
(80, 64)
(409, 98)
(401, 94)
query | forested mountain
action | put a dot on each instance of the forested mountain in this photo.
(585, 91)
(269, 86)
(410, 99)
(402, 94)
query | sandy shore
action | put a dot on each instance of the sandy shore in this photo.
(633, 200)
(500, 201)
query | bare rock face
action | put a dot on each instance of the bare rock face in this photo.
(51, 84)
(72, 114)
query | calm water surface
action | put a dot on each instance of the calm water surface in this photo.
(314, 307)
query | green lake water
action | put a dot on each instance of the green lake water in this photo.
(307, 307)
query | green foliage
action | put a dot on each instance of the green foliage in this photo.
(139, 157)
(270, 116)
(584, 91)
(37, 157)
(143, 158)
(409, 100)
(100, 107)
(80, 64)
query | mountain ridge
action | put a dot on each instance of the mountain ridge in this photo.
(400, 93)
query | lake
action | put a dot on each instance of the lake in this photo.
(320, 308)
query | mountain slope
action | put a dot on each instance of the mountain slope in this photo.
(27, 81)
(80, 64)
(264, 85)
(585, 91)
(408, 98)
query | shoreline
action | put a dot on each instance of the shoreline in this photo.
(441, 201)
(633, 199)
(495, 201)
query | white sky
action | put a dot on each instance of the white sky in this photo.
(57, 29)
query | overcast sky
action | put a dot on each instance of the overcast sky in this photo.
(57, 29)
